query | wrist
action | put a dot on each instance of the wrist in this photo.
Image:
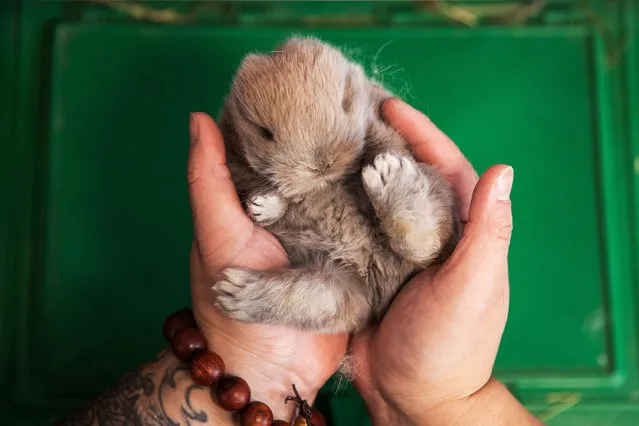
(383, 412)
(492, 405)
(179, 394)
(270, 369)
(185, 395)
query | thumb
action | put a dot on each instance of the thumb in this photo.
(217, 213)
(480, 257)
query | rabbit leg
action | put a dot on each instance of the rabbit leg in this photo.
(324, 299)
(415, 206)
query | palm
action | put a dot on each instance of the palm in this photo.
(435, 336)
(440, 336)
(313, 356)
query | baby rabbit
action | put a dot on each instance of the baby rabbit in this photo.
(317, 167)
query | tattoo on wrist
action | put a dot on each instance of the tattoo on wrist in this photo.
(142, 398)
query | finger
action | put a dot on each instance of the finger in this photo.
(481, 256)
(431, 145)
(217, 212)
(357, 366)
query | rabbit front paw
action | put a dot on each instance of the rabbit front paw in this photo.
(266, 209)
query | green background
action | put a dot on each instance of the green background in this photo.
(95, 215)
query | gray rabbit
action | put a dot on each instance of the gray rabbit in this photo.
(317, 167)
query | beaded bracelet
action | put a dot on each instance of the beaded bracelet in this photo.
(232, 393)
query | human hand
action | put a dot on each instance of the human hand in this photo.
(268, 357)
(437, 344)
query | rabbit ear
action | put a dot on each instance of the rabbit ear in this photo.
(356, 88)
(298, 42)
(378, 96)
(380, 136)
(251, 65)
(253, 60)
(348, 94)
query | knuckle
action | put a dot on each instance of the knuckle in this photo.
(503, 232)
(502, 224)
(192, 176)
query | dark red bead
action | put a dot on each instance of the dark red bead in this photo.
(207, 368)
(281, 423)
(186, 342)
(177, 321)
(233, 393)
(256, 414)
(317, 418)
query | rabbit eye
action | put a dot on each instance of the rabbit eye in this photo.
(266, 133)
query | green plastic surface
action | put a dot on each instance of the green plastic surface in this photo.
(101, 224)
(117, 217)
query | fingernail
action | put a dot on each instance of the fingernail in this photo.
(505, 184)
(194, 129)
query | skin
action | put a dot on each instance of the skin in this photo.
(445, 326)
(430, 360)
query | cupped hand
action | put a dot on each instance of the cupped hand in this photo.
(439, 339)
(269, 358)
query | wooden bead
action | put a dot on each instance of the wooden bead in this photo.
(256, 414)
(317, 418)
(300, 421)
(177, 321)
(233, 393)
(281, 423)
(186, 342)
(207, 368)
